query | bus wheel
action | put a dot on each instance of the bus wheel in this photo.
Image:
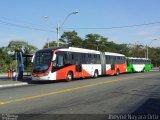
(69, 77)
(117, 72)
(132, 71)
(95, 74)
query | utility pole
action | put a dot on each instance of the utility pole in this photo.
(47, 42)
(58, 32)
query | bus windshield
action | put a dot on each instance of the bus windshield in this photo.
(42, 61)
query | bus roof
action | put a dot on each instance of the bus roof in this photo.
(82, 50)
(51, 49)
(137, 58)
(113, 54)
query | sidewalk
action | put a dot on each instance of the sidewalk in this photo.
(8, 82)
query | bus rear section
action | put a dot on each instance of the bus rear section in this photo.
(66, 64)
(115, 63)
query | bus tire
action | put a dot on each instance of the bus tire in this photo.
(95, 74)
(117, 72)
(132, 71)
(69, 77)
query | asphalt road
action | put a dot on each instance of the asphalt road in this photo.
(137, 93)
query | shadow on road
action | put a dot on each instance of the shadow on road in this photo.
(151, 106)
(29, 81)
(5, 78)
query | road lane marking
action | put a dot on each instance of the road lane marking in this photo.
(67, 90)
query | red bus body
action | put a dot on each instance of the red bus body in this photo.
(69, 62)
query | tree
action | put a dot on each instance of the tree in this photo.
(100, 43)
(76, 42)
(50, 44)
(154, 56)
(68, 36)
(123, 49)
(91, 41)
(5, 60)
(72, 39)
(53, 44)
(21, 46)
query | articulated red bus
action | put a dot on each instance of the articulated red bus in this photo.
(68, 63)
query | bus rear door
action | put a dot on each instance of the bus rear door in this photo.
(78, 65)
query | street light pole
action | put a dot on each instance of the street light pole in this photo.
(60, 26)
(149, 45)
(145, 47)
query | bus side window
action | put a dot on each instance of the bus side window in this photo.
(60, 61)
(107, 59)
(83, 56)
(98, 59)
(123, 60)
(66, 59)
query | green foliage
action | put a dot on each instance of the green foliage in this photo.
(7, 60)
(154, 55)
(68, 36)
(52, 44)
(98, 42)
(21, 46)
(72, 38)
(91, 41)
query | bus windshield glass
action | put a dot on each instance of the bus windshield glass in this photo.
(42, 61)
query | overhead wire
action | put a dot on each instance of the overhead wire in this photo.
(117, 27)
(24, 26)
(26, 22)
(47, 30)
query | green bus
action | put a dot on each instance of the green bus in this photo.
(138, 64)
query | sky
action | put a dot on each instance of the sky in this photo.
(35, 21)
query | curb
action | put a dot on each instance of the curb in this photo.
(154, 70)
(13, 85)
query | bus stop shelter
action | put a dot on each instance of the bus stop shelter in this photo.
(27, 61)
